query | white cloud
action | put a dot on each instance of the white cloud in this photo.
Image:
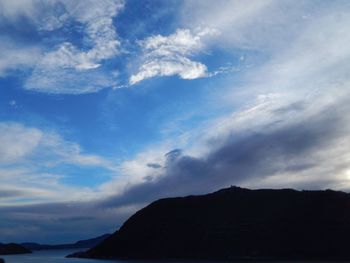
(169, 55)
(13, 9)
(26, 186)
(28, 154)
(71, 70)
(100, 34)
(257, 25)
(181, 66)
(13, 103)
(302, 77)
(65, 68)
(21, 144)
(61, 80)
(17, 141)
(14, 56)
(137, 170)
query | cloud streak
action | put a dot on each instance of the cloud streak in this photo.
(296, 154)
(29, 154)
(14, 56)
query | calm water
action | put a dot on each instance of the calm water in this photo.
(48, 256)
(58, 256)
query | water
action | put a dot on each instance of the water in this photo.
(58, 256)
(48, 256)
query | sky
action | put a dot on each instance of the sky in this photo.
(108, 105)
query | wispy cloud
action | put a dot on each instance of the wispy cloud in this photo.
(14, 57)
(72, 70)
(66, 68)
(252, 26)
(28, 154)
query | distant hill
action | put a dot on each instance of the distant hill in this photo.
(10, 249)
(235, 223)
(88, 243)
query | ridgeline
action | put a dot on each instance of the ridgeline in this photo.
(235, 223)
(12, 248)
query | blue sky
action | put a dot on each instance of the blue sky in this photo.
(94, 94)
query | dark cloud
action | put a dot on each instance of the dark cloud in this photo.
(11, 193)
(296, 106)
(241, 158)
(57, 222)
(154, 165)
(173, 155)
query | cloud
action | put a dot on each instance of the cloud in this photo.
(54, 79)
(308, 152)
(154, 165)
(288, 125)
(301, 144)
(253, 26)
(100, 34)
(13, 9)
(17, 141)
(58, 222)
(286, 122)
(71, 70)
(20, 142)
(169, 55)
(14, 56)
(65, 67)
(29, 155)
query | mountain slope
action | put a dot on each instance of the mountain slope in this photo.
(10, 249)
(236, 223)
(88, 243)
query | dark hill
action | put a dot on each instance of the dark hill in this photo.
(236, 223)
(9, 249)
(88, 243)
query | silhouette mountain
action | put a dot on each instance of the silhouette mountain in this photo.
(235, 223)
(9, 249)
(88, 243)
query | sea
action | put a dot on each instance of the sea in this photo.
(49, 256)
(58, 256)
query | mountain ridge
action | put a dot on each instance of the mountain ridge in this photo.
(235, 223)
(86, 243)
(12, 248)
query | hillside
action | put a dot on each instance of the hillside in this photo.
(88, 243)
(236, 223)
(9, 249)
